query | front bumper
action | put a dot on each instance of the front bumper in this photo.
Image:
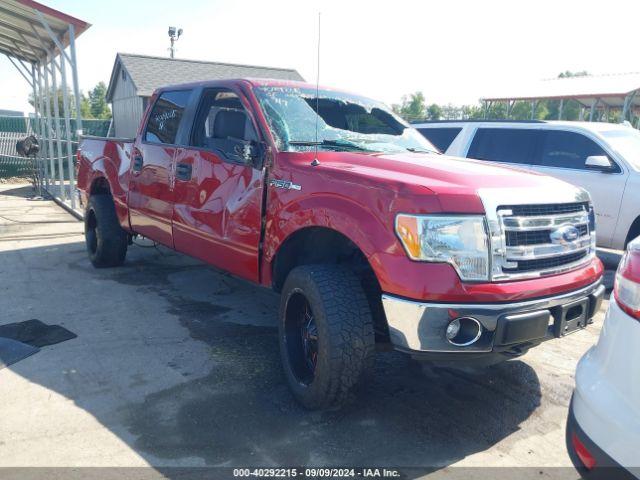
(418, 327)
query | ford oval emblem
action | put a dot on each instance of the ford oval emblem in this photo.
(565, 234)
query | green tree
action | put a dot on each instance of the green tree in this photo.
(472, 112)
(85, 107)
(60, 102)
(98, 102)
(93, 106)
(521, 111)
(434, 112)
(413, 107)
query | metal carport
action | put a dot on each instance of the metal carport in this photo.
(40, 43)
(592, 92)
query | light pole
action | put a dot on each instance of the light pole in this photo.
(174, 34)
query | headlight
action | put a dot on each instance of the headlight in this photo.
(460, 240)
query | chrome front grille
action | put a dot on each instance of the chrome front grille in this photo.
(533, 237)
(543, 239)
(547, 208)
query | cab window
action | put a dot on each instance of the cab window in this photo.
(166, 114)
(222, 125)
(509, 145)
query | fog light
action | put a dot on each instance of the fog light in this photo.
(463, 331)
(452, 329)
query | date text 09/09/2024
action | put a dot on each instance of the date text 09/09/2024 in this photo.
(315, 473)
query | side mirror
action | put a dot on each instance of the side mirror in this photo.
(599, 162)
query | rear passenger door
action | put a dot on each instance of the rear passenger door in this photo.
(151, 184)
(508, 146)
(562, 154)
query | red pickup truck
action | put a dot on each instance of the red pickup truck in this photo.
(367, 232)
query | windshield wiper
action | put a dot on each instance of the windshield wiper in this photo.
(328, 143)
(418, 150)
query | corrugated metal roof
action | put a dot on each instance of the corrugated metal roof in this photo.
(149, 73)
(23, 36)
(612, 89)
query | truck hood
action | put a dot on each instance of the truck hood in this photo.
(459, 183)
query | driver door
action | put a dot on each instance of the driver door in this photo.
(218, 191)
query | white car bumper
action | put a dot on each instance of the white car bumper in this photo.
(606, 402)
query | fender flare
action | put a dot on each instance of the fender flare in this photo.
(343, 215)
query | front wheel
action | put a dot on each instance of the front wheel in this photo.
(326, 334)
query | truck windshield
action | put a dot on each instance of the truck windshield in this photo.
(626, 142)
(344, 122)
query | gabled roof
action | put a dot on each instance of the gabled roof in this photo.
(611, 89)
(148, 73)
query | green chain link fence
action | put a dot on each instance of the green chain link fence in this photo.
(13, 129)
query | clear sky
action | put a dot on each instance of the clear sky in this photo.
(454, 51)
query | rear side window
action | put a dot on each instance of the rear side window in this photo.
(165, 116)
(441, 137)
(504, 145)
(567, 150)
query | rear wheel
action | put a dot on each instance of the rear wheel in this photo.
(106, 240)
(326, 334)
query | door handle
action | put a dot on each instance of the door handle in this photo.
(138, 161)
(183, 171)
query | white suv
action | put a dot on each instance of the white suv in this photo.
(602, 158)
(603, 429)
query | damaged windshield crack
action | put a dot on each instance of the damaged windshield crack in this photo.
(307, 117)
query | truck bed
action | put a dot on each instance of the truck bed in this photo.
(102, 158)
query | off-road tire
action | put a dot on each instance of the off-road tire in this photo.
(345, 335)
(105, 239)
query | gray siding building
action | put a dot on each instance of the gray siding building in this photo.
(135, 77)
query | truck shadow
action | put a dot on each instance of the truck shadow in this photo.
(222, 399)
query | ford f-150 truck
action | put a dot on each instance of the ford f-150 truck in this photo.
(367, 232)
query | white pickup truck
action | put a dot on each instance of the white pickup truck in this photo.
(602, 158)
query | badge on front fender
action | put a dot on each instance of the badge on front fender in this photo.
(284, 184)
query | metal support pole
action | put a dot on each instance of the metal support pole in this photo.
(36, 130)
(560, 107)
(627, 104)
(67, 128)
(487, 106)
(56, 119)
(510, 104)
(594, 105)
(74, 73)
(47, 100)
(533, 109)
(44, 148)
(17, 66)
(51, 33)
